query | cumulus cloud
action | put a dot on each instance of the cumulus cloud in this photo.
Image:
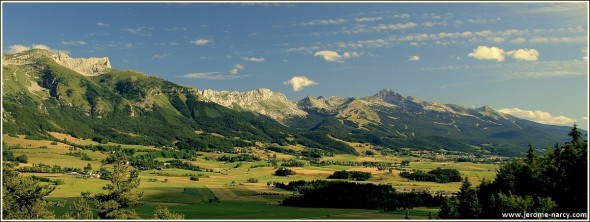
(209, 76)
(298, 82)
(414, 58)
(498, 54)
(524, 54)
(201, 41)
(329, 56)
(487, 53)
(17, 48)
(332, 56)
(538, 116)
(253, 59)
(102, 24)
(237, 68)
(72, 42)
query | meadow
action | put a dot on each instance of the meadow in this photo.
(227, 191)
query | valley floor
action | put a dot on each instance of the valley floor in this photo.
(223, 190)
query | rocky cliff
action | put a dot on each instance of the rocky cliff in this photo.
(262, 101)
(85, 66)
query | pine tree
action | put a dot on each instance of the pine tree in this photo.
(468, 204)
(121, 191)
(22, 197)
(448, 210)
(80, 210)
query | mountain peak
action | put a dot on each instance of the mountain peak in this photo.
(85, 66)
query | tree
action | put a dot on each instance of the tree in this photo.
(80, 210)
(448, 210)
(468, 203)
(121, 191)
(88, 168)
(23, 197)
(162, 213)
(530, 154)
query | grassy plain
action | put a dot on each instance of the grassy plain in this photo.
(237, 198)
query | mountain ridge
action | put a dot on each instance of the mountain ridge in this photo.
(36, 84)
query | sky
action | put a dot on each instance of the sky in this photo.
(525, 59)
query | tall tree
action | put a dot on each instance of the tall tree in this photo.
(23, 197)
(448, 210)
(468, 203)
(80, 210)
(122, 193)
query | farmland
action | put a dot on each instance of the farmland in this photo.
(241, 189)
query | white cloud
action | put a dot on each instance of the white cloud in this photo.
(585, 50)
(538, 116)
(496, 39)
(524, 54)
(518, 40)
(102, 24)
(17, 48)
(332, 56)
(159, 56)
(72, 42)
(329, 56)
(253, 59)
(348, 55)
(368, 19)
(323, 22)
(237, 68)
(41, 46)
(487, 53)
(495, 53)
(298, 82)
(209, 76)
(201, 41)
(414, 58)
(141, 31)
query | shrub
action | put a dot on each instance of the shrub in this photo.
(282, 171)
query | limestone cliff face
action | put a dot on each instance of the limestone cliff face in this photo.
(329, 105)
(263, 101)
(85, 66)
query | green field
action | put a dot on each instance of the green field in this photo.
(237, 197)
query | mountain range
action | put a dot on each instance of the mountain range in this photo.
(46, 91)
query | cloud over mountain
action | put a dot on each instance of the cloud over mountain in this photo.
(298, 82)
(538, 116)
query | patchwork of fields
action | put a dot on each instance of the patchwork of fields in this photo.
(226, 190)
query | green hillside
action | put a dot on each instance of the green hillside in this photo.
(133, 108)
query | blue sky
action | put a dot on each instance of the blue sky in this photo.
(527, 59)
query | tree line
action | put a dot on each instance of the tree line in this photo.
(343, 194)
(553, 182)
(438, 175)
